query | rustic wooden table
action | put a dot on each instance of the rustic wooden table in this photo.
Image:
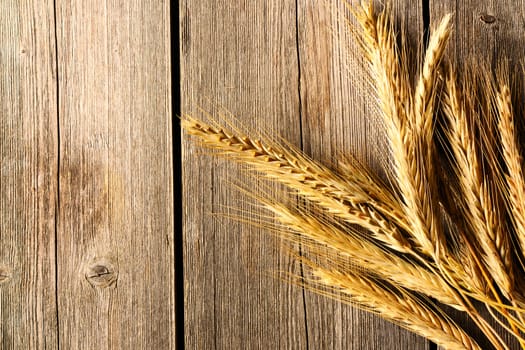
(108, 237)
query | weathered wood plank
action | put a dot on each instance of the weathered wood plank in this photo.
(337, 119)
(115, 236)
(241, 54)
(28, 175)
(483, 31)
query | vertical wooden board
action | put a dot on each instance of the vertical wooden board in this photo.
(242, 55)
(485, 31)
(28, 175)
(337, 119)
(115, 237)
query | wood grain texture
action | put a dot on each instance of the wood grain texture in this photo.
(28, 175)
(484, 31)
(338, 119)
(241, 54)
(115, 234)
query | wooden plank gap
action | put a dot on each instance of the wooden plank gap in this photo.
(425, 9)
(301, 145)
(175, 41)
(57, 204)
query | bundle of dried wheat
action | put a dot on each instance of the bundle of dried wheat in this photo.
(420, 248)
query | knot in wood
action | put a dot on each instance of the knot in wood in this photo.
(5, 274)
(101, 274)
(486, 18)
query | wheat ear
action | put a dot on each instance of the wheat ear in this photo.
(512, 157)
(422, 117)
(480, 213)
(391, 303)
(393, 90)
(425, 92)
(311, 180)
(422, 126)
(351, 244)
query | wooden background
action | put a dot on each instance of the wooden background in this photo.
(108, 237)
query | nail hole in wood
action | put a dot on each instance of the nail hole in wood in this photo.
(486, 18)
(101, 275)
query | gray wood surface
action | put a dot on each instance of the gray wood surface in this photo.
(242, 55)
(28, 175)
(86, 176)
(115, 231)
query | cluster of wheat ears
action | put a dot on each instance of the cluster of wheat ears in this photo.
(448, 225)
